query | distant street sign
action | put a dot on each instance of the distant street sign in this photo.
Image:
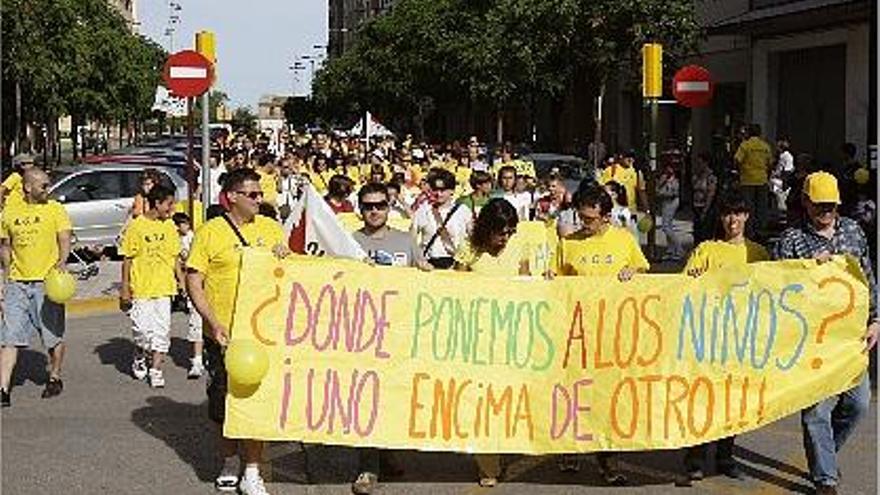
(188, 73)
(692, 86)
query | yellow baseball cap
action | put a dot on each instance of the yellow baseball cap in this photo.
(821, 187)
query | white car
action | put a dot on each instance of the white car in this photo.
(98, 198)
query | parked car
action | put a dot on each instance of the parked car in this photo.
(571, 168)
(98, 198)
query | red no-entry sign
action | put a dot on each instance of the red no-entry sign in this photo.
(188, 73)
(692, 86)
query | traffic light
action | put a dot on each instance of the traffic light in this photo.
(652, 70)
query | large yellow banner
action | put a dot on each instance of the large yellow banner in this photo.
(393, 357)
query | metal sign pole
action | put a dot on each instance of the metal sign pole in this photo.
(190, 164)
(206, 158)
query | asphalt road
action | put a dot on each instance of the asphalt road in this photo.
(109, 434)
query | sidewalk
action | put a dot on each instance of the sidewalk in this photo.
(98, 294)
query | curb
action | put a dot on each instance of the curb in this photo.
(93, 306)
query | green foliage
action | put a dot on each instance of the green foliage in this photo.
(300, 111)
(215, 99)
(244, 119)
(496, 52)
(76, 57)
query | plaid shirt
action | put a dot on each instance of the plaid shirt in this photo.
(804, 242)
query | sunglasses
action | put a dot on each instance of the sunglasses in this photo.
(250, 194)
(374, 205)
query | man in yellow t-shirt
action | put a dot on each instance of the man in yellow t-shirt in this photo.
(598, 248)
(11, 193)
(268, 180)
(623, 171)
(732, 250)
(754, 158)
(212, 282)
(34, 239)
(150, 276)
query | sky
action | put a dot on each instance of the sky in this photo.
(257, 40)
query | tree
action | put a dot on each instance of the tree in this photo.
(75, 57)
(497, 53)
(244, 119)
(215, 99)
(300, 111)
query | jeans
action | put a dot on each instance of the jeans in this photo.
(826, 427)
(668, 208)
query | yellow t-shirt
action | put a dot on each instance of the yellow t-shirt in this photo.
(628, 177)
(754, 158)
(14, 190)
(153, 246)
(216, 253)
(601, 254)
(714, 255)
(505, 264)
(33, 233)
(269, 186)
(183, 207)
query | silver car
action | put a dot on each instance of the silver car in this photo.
(98, 198)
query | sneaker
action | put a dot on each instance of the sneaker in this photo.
(139, 367)
(196, 370)
(53, 387)
(157, 379)
(226, 482)
(5, 398)
(488, 482)
(364, 484)
(695, 474)
(252, 485)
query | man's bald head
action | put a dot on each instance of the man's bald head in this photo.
(36, 185)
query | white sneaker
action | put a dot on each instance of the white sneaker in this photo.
(252, 485)
(157, 379)
(139, 367)
(365, 484)
(226, 482)
(196, 370)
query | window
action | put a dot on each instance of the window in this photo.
(90, 186)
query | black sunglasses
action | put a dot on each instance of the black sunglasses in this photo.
(251, 194)
(374, 205)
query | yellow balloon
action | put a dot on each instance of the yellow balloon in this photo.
(246, 362)
(862, 176)
(60, 286)
(645, 224)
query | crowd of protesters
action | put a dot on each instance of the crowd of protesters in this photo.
(454, 207)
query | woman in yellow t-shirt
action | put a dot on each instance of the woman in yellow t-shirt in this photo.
(486, 251)
(729, 250)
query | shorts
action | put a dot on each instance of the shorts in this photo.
(27, 310)
(212, 356)
(151, 324)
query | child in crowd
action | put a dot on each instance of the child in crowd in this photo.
(621, 216)
(194, 333)
(150, 278)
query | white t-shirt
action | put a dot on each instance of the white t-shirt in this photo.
(521, 202)
(424, 226)
(214, 174)
(786, 162)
